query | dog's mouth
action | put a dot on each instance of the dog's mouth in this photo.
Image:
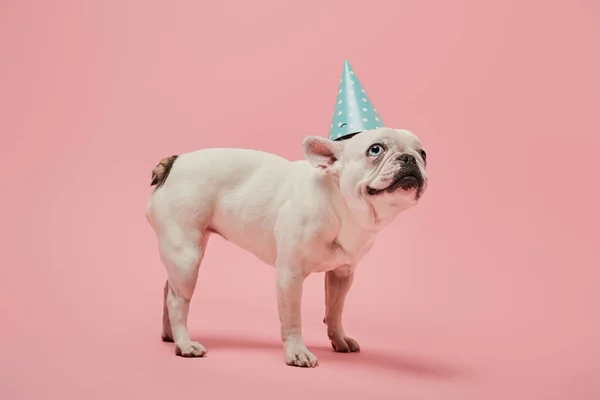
(405, 180)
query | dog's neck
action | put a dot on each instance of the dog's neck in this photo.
(356, 232)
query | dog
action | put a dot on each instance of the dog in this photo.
(320, 214)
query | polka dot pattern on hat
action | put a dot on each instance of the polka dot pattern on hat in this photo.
(353, 113)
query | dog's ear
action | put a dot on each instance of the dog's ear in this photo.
(322, 153)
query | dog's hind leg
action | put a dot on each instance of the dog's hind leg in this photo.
(181, 251)
(167, 333)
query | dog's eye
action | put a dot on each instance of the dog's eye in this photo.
(375, 150)
(423, 155)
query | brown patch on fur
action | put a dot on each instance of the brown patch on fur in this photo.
(162, 170)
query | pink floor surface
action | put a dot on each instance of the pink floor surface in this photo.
(488, 290)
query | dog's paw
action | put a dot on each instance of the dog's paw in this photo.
(345, 345)
(297, 355)
(190, 349)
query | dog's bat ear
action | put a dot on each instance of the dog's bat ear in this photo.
(321, 153)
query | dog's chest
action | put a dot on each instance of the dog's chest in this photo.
(354, 242)
(349, 247)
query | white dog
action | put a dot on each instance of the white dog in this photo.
(300, 217)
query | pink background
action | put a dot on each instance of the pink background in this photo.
(487, 290)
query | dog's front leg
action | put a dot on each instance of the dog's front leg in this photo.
(337, 285)
(289, 296)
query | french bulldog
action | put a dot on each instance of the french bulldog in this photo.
(320, 214)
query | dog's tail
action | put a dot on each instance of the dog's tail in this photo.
(162, 170)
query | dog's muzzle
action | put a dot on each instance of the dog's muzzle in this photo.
(408, 177)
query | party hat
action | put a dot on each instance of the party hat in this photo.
(354, 111)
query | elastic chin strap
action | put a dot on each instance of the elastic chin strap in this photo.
(350, 136)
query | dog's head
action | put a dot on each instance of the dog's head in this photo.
(380, 172)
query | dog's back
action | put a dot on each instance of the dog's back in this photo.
(218, 188)
(220, 163)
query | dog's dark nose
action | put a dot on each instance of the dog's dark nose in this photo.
(408, 159)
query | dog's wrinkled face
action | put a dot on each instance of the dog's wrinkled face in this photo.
(381, 171)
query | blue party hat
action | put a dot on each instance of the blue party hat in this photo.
(354, 111)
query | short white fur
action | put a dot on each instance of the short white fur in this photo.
(301, 217)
